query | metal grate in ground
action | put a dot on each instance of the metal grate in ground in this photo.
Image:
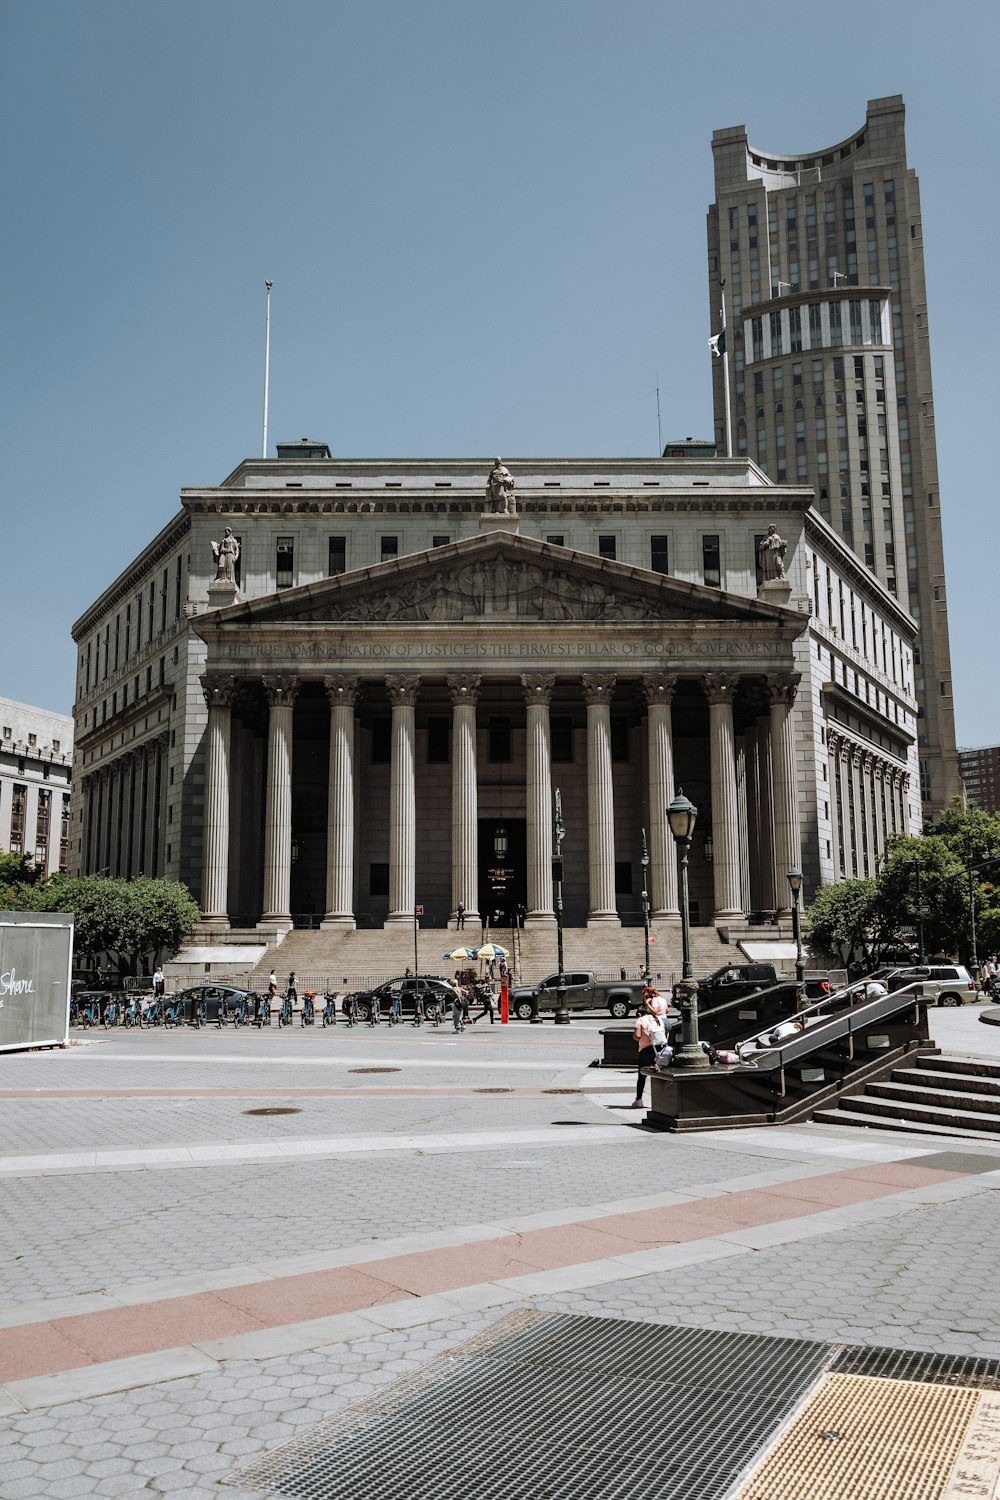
(562, 1407)
(559, 1408)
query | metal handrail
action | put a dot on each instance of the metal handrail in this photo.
(832, 1028)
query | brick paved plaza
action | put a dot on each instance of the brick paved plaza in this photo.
(188, 1284)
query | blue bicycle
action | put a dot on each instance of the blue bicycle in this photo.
(153, 1014)
(173, 1012)
(90, 1011)
(348, 1006)
(262, 1013)
(308, 1009)
(285, 1013)
(132, 1014)
(329, 1010)
(199, 1013)
(112, 1012)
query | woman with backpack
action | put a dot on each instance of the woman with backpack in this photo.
(651, 1035)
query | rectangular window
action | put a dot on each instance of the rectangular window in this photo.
(561, 731)
(659, 554)
(500, 738)
(619, 739)
(438, 740)
(556, 541)
(440, 541)
(606, 546)
(711, 561)
(390, 547)
(381, 741)
(337, 556)
(284, 573)
(378, 880)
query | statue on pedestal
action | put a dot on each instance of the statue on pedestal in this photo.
(771, 556)
(226, 553)
(500, 490)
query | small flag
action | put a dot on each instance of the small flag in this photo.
(718, 344)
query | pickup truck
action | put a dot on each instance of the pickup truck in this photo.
(583, 992)
(733, 981)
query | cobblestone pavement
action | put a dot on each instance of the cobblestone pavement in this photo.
(820, 1233)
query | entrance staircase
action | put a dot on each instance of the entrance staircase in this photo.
(350, 959)
(946, 1096)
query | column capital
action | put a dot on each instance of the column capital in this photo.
(857, 755)
(598, 688)
(281, 691)
(659, 687)
(342, 690)
(538, 687)
(782, 686)
(403, 689)
(463, 688)
(219, 689)
(720, 687)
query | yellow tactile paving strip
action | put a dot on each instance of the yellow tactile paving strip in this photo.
(859, 1438)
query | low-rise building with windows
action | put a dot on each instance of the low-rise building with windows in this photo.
(332, 690)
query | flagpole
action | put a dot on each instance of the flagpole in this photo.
(725, 374)
(267, 359)
(659, 429)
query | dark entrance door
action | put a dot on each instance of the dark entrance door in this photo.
(503, 869)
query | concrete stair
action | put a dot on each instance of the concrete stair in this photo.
(349, 959)
(947, 1096)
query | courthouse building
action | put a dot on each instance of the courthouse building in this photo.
(331, 691)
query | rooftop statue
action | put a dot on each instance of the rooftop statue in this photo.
(771, 555)
(500, 490)
(225, 553)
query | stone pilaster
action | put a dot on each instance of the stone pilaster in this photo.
(464, 690)
(720, 689)
(537, 694)
(281, 694)
(658, 689)
(782, 689)
(598, 691)
(403, 691)
(342, 693)
(219, 693)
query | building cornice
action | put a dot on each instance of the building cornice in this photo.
(135, 574)
(820, 532)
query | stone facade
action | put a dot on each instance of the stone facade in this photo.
(36, 755)
(379, 713)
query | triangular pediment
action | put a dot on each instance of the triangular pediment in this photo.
(499, 578)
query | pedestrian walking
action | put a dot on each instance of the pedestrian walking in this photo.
(650, 1034)
(272, 985)
(159, 983)
(485, 997)
(460, 915)
(291, 992)
(459, 1007)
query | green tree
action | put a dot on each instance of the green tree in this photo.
(845, 920)
(129, 919)
(19, 883)
(958, 858)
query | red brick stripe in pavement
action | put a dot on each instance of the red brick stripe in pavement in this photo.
(68, 1343)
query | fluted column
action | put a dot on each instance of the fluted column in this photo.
(219, 693)
(743, 820)
(402, 799)
(658, 689)
(281, 694)
(720, 689)
(765, 858)
(598, 690)
(537, 695)
(464, 690)
(342, 693)
(784, 801)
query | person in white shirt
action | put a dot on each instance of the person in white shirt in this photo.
(650, 1034)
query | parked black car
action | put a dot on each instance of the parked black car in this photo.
(413, 989)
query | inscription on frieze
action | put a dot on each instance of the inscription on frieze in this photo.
(339, 648)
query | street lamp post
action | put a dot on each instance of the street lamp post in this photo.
(920, 911)
(562, 1016)
(795, 885)
(646, 975)
(681, 815)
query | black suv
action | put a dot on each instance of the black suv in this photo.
(425, 990)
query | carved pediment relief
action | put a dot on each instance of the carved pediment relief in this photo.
(497, 589)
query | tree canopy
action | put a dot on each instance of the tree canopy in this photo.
(127, 919)
(950, 874)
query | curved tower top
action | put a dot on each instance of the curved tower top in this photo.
(879, 137)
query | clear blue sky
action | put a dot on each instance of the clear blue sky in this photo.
(485, 225)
